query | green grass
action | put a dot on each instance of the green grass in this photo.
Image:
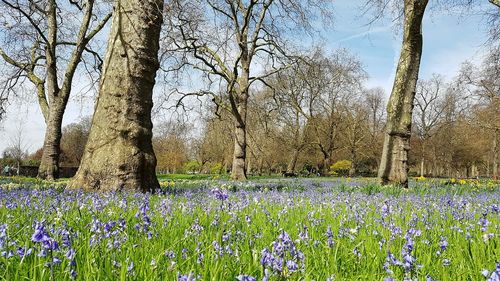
(253, 217)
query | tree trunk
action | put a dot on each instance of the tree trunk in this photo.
(326, 164)
(293, 161)
(353, 169)
(422, 160)
(394, 161)
(238, 171)
(49, 165)
(119, 153)
(495, 155)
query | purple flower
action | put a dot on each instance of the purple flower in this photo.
(495, 275)
(70, 254)
(220, 194)
(187, 277)
(40, 236)
(170, 254)
(292, 266)
(244, 277)
(443, 244)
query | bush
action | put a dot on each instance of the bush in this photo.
(341, 168)
(217, 168)
(192, 166)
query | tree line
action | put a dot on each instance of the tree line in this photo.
(270, 100)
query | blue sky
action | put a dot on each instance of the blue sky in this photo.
(448, 41)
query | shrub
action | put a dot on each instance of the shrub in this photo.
(341, 168)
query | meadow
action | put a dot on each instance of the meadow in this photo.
(265, 229)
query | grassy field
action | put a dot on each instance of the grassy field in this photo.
(266, 229)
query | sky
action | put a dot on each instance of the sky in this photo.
(449, 40)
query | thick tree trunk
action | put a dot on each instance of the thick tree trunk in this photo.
(238, 171)
(49, 165)
(239, 168)
(394, 162)
(119, 153)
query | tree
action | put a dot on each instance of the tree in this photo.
(318, 88)
(37, 36)
(224, 40)
(374, 101)
(17, 151)
(394, 162)
(483, 83)
(428, 113)
(74, 138)
(356, 131)
(119, 153)
(171, 146)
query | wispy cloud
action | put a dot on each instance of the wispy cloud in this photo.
(378, 29)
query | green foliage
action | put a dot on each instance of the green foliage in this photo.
(192, 166)
(341, 168)
(217, 168)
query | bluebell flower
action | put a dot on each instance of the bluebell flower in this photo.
(244, 277)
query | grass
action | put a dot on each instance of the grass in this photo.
(321, 228)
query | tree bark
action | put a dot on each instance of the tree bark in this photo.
(238, 171)
(119, 153)
(394, 162)
(49, 164)
(293, 161)
(354, 159)
(495, 154)
(422, 160)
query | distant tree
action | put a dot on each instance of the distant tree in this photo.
(171, 146)
(429, 108)
(318, 88)
(225, 39)
(74, 138)
(17, 150)
(37, 36)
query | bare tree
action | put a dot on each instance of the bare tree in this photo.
(394, 162)
(119, 153)
(73, 140)
(429, 110)
(483, 83)
(38, 34)
(317, 89)
(225, 39)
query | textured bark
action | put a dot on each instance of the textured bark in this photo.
(354, 159)
(293, 161)
(422, 160)
(240, 108)
(238, 170)
(49, 165)
(394, 162)
(495, 154)
(119, 153)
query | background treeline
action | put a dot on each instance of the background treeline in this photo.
(318, 117)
